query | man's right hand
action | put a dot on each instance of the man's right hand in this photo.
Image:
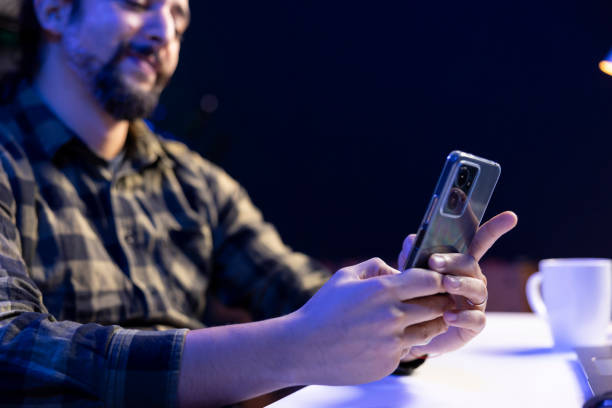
(357, 326)
(353, 330)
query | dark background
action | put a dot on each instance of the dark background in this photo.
(337, 116)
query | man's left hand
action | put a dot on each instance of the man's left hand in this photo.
(463, 275)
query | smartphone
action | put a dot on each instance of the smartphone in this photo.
(455, 209)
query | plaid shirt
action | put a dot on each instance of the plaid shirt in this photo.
(91, 260)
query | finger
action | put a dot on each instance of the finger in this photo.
(473, 321)
(456, 264)
(422, 333)
(490, 232)
(415, 283)
(433, 348)
(371, 268)
(472, 289)
(425, 309)
(406, 247)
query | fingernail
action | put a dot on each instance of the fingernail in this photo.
(450, 317)
(438, 262)
(416, 353)
(453, 281)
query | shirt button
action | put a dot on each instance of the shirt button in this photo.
(130, 239)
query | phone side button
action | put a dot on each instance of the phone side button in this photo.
(419, 239)
(434, 201)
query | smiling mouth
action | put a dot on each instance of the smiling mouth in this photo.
(149, 59)
(152, 60)
(144, 65)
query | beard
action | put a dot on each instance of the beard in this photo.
(119, 98)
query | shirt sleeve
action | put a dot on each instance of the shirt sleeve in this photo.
(253, 268)
(61, 363)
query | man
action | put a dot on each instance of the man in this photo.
(108, 231)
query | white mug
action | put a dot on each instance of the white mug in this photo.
(574, 295)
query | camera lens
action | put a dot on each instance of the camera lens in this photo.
(453, 200)
(462, 176)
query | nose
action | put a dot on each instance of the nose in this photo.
(160, 26)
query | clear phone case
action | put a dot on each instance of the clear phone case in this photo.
(456, 207)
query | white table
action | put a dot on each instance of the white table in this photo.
(510, 364)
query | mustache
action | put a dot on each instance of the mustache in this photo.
(144, 50)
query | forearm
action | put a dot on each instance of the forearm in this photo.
(226, 364)
(85, 364)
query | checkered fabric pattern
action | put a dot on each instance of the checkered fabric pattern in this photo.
(102, 272)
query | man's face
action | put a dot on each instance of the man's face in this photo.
(125, 51)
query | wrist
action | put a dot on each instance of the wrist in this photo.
(292, 349)
(225, 364)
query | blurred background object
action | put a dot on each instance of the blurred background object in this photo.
(506, 284)
(337, 118)
(605, 65)
(9, 15)
(9, 12)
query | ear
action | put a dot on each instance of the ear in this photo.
(53, 15)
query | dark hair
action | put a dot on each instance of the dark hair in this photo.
(30, 41)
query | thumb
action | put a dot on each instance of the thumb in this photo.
(490, 232)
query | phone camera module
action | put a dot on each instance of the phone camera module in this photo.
(463, 178)
(463, 182)
(453, 200)
(456, 199)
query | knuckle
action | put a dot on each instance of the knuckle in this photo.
(432, 280)
(457, 284)
(377, 261)
(481, 320)
(342, 272)
(443, 326)
(394, 316)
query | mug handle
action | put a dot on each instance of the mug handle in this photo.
(534, 294)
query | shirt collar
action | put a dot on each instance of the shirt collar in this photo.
(49, 132)
(143, 147)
